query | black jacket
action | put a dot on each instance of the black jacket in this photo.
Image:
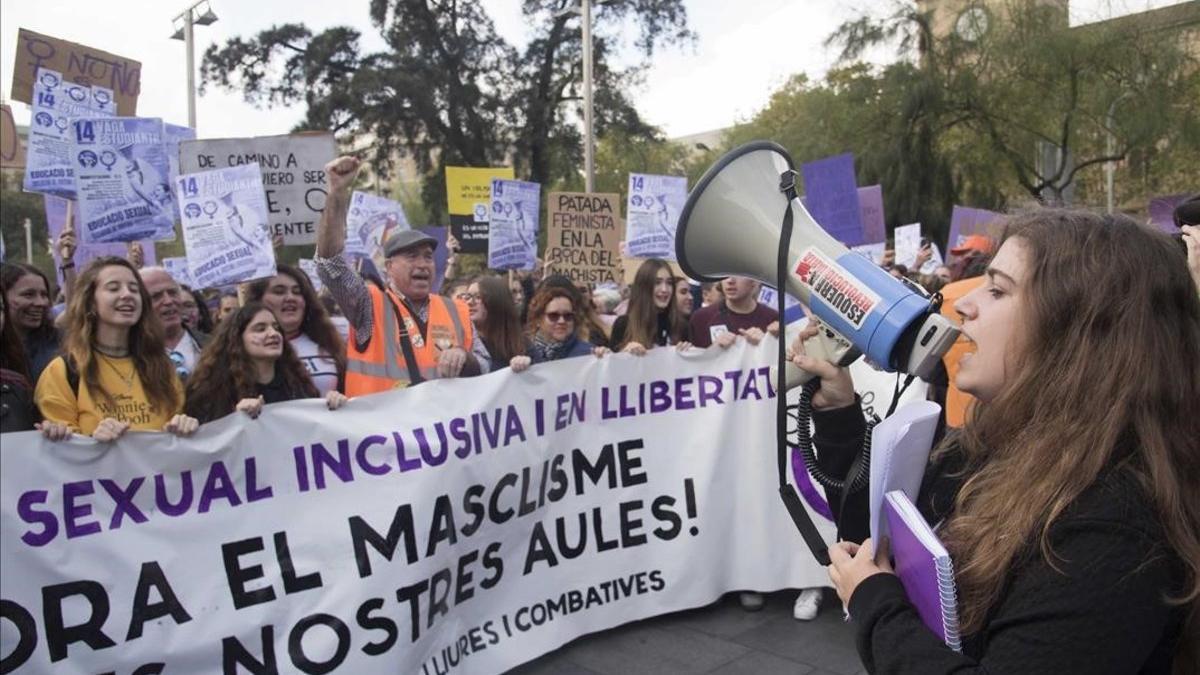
(17, 410)
(1102, 611)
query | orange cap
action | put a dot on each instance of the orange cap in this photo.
(976, 242)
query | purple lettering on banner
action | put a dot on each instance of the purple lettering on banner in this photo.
(439, 254)
(831, 196)
(966, 221)
(1162, 211)
(805, 485)
(870, 205)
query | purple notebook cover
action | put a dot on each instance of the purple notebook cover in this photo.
(917, 567)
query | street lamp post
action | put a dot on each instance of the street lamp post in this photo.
(1110, 147)
(589, 140)
(184, 25)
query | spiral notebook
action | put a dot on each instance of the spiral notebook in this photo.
(924, 568)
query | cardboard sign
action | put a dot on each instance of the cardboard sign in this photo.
(12, 149)
(293, 175)
(468, 201)
(79, 64)
(832, 197)
(584, 237)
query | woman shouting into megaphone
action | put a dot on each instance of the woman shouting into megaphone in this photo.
(1070, 501)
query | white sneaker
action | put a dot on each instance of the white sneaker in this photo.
(751, 601)
(807, 604)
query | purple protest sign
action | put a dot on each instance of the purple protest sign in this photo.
(965, 221)
(870, 206)
(831, 196)
(1162, 211)
(440, 253)
(56, 220)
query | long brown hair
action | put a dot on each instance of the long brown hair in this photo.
(225, 374)
(316, 324)
(642, 319)
(501, 329)
(146, 344)
(10, 274)
(1108, 379)
(12, 350)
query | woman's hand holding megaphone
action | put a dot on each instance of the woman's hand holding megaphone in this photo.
(837, 387)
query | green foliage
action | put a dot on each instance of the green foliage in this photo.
(15, 207)
(449, 91)
(958, 122)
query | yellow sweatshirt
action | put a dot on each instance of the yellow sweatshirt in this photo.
(84, 412)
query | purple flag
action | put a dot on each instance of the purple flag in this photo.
(870, 205)
(56, 220)
(966, 221)
(831, 195)
(1162, 211)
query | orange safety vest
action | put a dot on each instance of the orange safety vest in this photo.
(958, 402)
(381, 365)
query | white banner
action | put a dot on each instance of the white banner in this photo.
(462, 526)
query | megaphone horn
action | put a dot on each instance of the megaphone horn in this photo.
(731, 225)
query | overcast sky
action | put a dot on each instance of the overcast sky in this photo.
(745, 50)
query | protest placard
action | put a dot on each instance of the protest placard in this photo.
(468, 201)
(1162, 211)
(173, 135)
(226, 227)
(12, 148)
(652, 210)
(584, 236)
(908, 244)
(831, 197)
(50, 167)
(513, 226)
(121, 180)
(369, 222)
(78, 63)
(873, 252)
(58, 212)
(966, 221)
(178, 269)
(293, 175)
(870, 205)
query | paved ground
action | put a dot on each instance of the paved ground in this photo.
(720, 638)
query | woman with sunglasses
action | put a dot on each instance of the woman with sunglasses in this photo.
(114, 374)
(551, 327)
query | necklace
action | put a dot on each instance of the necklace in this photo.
(127, 379)
(115, 352)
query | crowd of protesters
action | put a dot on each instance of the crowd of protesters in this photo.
(135, 351)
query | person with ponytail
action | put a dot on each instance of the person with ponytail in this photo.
(248, 364)
(114, 374)
(1070, 500)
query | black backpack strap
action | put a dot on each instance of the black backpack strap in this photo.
(72, 374)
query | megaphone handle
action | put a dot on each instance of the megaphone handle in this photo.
(825, 345)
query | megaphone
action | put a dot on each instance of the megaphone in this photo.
(732, 224)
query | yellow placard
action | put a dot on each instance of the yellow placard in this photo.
(468, 186)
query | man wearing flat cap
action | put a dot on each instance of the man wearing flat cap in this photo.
(401, 334)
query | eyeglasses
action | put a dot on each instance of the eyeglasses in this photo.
(466, 297)
(563, 317)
